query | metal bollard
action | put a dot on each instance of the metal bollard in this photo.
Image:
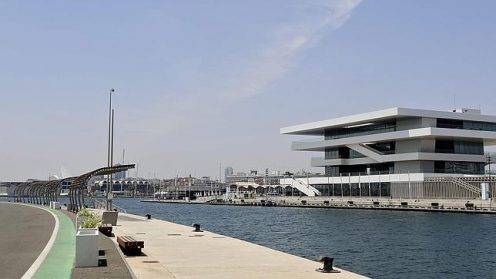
(148, 216)
(327, 266)
(197, 228)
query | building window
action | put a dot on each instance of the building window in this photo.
(384, 147)
(460, 147)
(465, 124)
(342, 153)
(373, 128)
(458, 167)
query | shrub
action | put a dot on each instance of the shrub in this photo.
(92, 221)
(85, 212)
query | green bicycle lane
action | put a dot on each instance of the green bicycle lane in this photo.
(60, 260)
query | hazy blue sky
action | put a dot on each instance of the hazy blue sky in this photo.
(203, 82)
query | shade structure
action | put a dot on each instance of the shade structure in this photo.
(78, 186)
(43, 192)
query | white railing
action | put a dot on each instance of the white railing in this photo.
(466, 185)
(208, 198)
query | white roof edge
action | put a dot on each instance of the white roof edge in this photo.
(351, 119)
(382, 114)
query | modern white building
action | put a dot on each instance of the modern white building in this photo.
(399, 152)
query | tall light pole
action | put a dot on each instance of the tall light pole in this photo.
(109, 152)
(489, 161)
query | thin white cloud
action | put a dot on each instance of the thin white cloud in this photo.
(291, 40)
(271, 63)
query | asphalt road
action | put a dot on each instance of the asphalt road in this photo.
(24, 233)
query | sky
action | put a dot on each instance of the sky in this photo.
(201, 85)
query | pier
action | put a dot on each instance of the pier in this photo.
(175, 251)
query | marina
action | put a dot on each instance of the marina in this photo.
(378, 244)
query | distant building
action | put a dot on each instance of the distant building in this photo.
(261, 179)
(228, 172)
(119, 175)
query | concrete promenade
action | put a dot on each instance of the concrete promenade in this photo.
(175, 251)
(24, 234)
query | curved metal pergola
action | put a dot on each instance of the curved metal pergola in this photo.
(19, 189)
(77, 188)
(43, 192)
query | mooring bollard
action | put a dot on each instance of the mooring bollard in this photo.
(327, 265)
(197, 228)
(148, 216)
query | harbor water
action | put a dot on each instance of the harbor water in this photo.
(379, 244)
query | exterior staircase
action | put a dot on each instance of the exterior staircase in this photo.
(474, 189)
(304, 187)
(367, 151)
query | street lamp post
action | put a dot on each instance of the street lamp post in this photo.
(109, 151)
(489, 161)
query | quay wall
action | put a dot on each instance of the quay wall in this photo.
(434, 205)
(476, 206)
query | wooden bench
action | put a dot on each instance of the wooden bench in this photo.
(130, 245)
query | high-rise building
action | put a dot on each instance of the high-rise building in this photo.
(228, 172)
(119, 175)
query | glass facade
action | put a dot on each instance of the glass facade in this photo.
(460, 147)
(465, 124)
(390, 126)
(384, 147)
(459, 167)
(342, 153)
(345, 170)
(450, 146)
(375, 128)
(355, 189)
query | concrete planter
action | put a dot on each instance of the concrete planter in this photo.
(87, 247)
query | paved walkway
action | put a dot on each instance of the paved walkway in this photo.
(175, 251)
(24, 233)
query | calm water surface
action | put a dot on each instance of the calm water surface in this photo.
(379, 244)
